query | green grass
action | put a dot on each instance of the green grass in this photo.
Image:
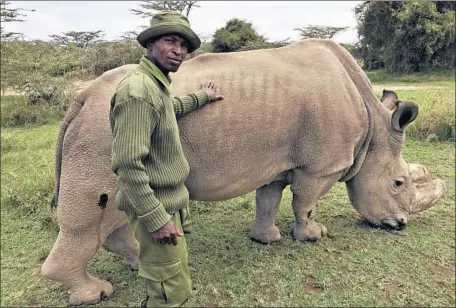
(433, 77)
(434, 93)
(354, 266)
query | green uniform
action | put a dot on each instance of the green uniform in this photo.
(149, 162)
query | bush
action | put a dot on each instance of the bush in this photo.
(406, 36)
(16, 111)
(235, 36)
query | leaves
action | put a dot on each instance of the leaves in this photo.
(81, 39)
(319, 32)
(406, 36)
(148, 8)
(8, 14)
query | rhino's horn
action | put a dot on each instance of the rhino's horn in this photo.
(389, 99)
(428, 194)
(418, 173)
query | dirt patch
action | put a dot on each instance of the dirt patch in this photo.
(267, 294)
(313, 288)
(32, 301)
(446, 271)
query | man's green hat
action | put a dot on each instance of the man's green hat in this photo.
(168, 22)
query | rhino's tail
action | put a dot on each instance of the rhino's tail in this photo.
(73, 111)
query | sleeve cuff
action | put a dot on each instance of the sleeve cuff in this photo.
(155, 219)
(201, 98)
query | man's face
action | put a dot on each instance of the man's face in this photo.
(168, 52)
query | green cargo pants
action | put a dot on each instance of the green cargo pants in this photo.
(164, 267)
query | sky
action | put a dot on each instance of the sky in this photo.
(275, 20)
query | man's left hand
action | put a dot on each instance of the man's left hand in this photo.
(212, 91)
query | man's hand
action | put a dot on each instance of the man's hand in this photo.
(212, 90)
(167, 234)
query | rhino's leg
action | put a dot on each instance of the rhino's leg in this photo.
(123, 243)
(267, 206)
(67, 264)
(307, 190)
(86, 218)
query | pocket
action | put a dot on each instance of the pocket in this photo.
(186, 220)
(166, 283)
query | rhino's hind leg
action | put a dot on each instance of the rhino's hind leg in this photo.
(123, 243)
(306, 192)
(67, 264)
(267, 206)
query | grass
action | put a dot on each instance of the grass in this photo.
(354, 266)
(431, 77)
(434, 93)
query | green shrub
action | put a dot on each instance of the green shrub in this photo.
(444, 132)
(16, 111)
(235, 36)
(406, 36)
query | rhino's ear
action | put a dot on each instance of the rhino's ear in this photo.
(405, 114)
(389, 99)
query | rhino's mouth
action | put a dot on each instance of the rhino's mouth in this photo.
(388, 224)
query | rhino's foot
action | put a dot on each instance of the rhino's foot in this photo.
(264, 234)
(310, 231)
(92, 291)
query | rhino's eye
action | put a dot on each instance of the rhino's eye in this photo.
(398, 184)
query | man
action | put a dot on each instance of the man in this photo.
(148, 159)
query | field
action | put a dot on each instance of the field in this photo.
(356, 265)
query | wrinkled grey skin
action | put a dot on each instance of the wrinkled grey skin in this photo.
(304, 115)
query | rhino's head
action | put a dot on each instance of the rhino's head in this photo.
(386, 190)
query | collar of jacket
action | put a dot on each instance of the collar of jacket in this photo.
(153, 70)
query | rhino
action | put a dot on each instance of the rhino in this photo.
(303, 115)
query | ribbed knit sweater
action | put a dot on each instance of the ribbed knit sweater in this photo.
(147, 155)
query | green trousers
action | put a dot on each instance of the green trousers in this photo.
(164, 267)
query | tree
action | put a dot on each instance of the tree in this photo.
(8, 14)
(148, 8)
(320, 32)
(406, 36)
(81, 39)
(235, 36)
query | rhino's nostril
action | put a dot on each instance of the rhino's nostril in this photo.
(402, 223)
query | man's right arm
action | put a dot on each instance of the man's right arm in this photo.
(133, 122)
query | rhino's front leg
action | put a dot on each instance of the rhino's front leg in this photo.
(306, 192)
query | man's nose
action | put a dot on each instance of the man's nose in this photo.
(179, 50)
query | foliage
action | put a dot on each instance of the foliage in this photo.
(16, 111)
(319, 32)
(444, 132)
(148, 8)
(8, 14)
(406, 36)
(81, 39)
(353, 49)
(235, 36)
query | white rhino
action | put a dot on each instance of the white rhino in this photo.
(303, 115)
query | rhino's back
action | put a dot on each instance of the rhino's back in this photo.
(280, 110)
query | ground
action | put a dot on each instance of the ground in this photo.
(355, 265)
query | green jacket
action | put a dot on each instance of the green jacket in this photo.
(147, 155)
